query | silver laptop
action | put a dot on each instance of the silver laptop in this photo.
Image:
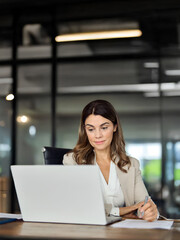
(60, 194)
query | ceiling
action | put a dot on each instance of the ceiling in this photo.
(160, 24)
(90, 8)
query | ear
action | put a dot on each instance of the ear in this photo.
(115, 128)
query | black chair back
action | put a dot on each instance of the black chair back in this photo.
(53, 155)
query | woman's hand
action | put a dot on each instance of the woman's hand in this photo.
(150, 211)
(130, 212)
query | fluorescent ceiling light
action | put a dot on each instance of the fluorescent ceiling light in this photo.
(145, 87)
(151, 65)
(110, 88)
(98, 35)
(173, 72)
(168, 86)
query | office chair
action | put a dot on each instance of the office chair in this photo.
(53, 155)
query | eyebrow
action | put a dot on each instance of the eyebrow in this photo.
(89, 125)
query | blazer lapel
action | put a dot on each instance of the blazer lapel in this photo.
(127, 183)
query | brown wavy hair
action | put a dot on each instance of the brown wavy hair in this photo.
(83, 151)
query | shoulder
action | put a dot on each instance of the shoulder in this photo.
(134, 162)
(68, 159)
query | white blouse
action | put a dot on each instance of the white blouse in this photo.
(112, 192)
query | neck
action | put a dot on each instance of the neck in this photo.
(103, 156)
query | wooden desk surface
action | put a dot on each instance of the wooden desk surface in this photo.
(29, 230)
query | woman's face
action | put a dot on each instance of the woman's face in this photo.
(99, 131)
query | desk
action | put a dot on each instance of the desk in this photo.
(28, 230)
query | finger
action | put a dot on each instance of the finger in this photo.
(150, 219)
(145, 207)
(150, 213)
(149, 204)
(139, 213)
(139, 205)
(151, 216)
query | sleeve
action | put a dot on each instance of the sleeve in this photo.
(140, 190)
(115, 211)
(68, 159)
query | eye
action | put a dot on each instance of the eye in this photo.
(90, 129)
(104, 128)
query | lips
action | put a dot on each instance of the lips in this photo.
(99, 142)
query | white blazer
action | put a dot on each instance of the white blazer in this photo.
(131, 182)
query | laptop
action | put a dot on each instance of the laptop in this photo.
(60, 194)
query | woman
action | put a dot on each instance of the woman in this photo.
(101, 142)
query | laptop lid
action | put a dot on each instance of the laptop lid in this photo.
(63, 194)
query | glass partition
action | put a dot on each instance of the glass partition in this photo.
(34, 111)
(5, 137)
(171, 133)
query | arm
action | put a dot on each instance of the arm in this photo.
(149, 209)
(130, 211)
(140, 191)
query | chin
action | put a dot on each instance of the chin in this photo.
(100, 147)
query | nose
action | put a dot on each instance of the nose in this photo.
(98, 133)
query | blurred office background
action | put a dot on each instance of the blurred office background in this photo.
(50, 82)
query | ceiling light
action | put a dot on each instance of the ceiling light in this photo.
(10, 97)
(173, 72)
(111, 88)
(22, 119)
(143, 87)
(168, 86)
(151, 65)
(98, 35)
